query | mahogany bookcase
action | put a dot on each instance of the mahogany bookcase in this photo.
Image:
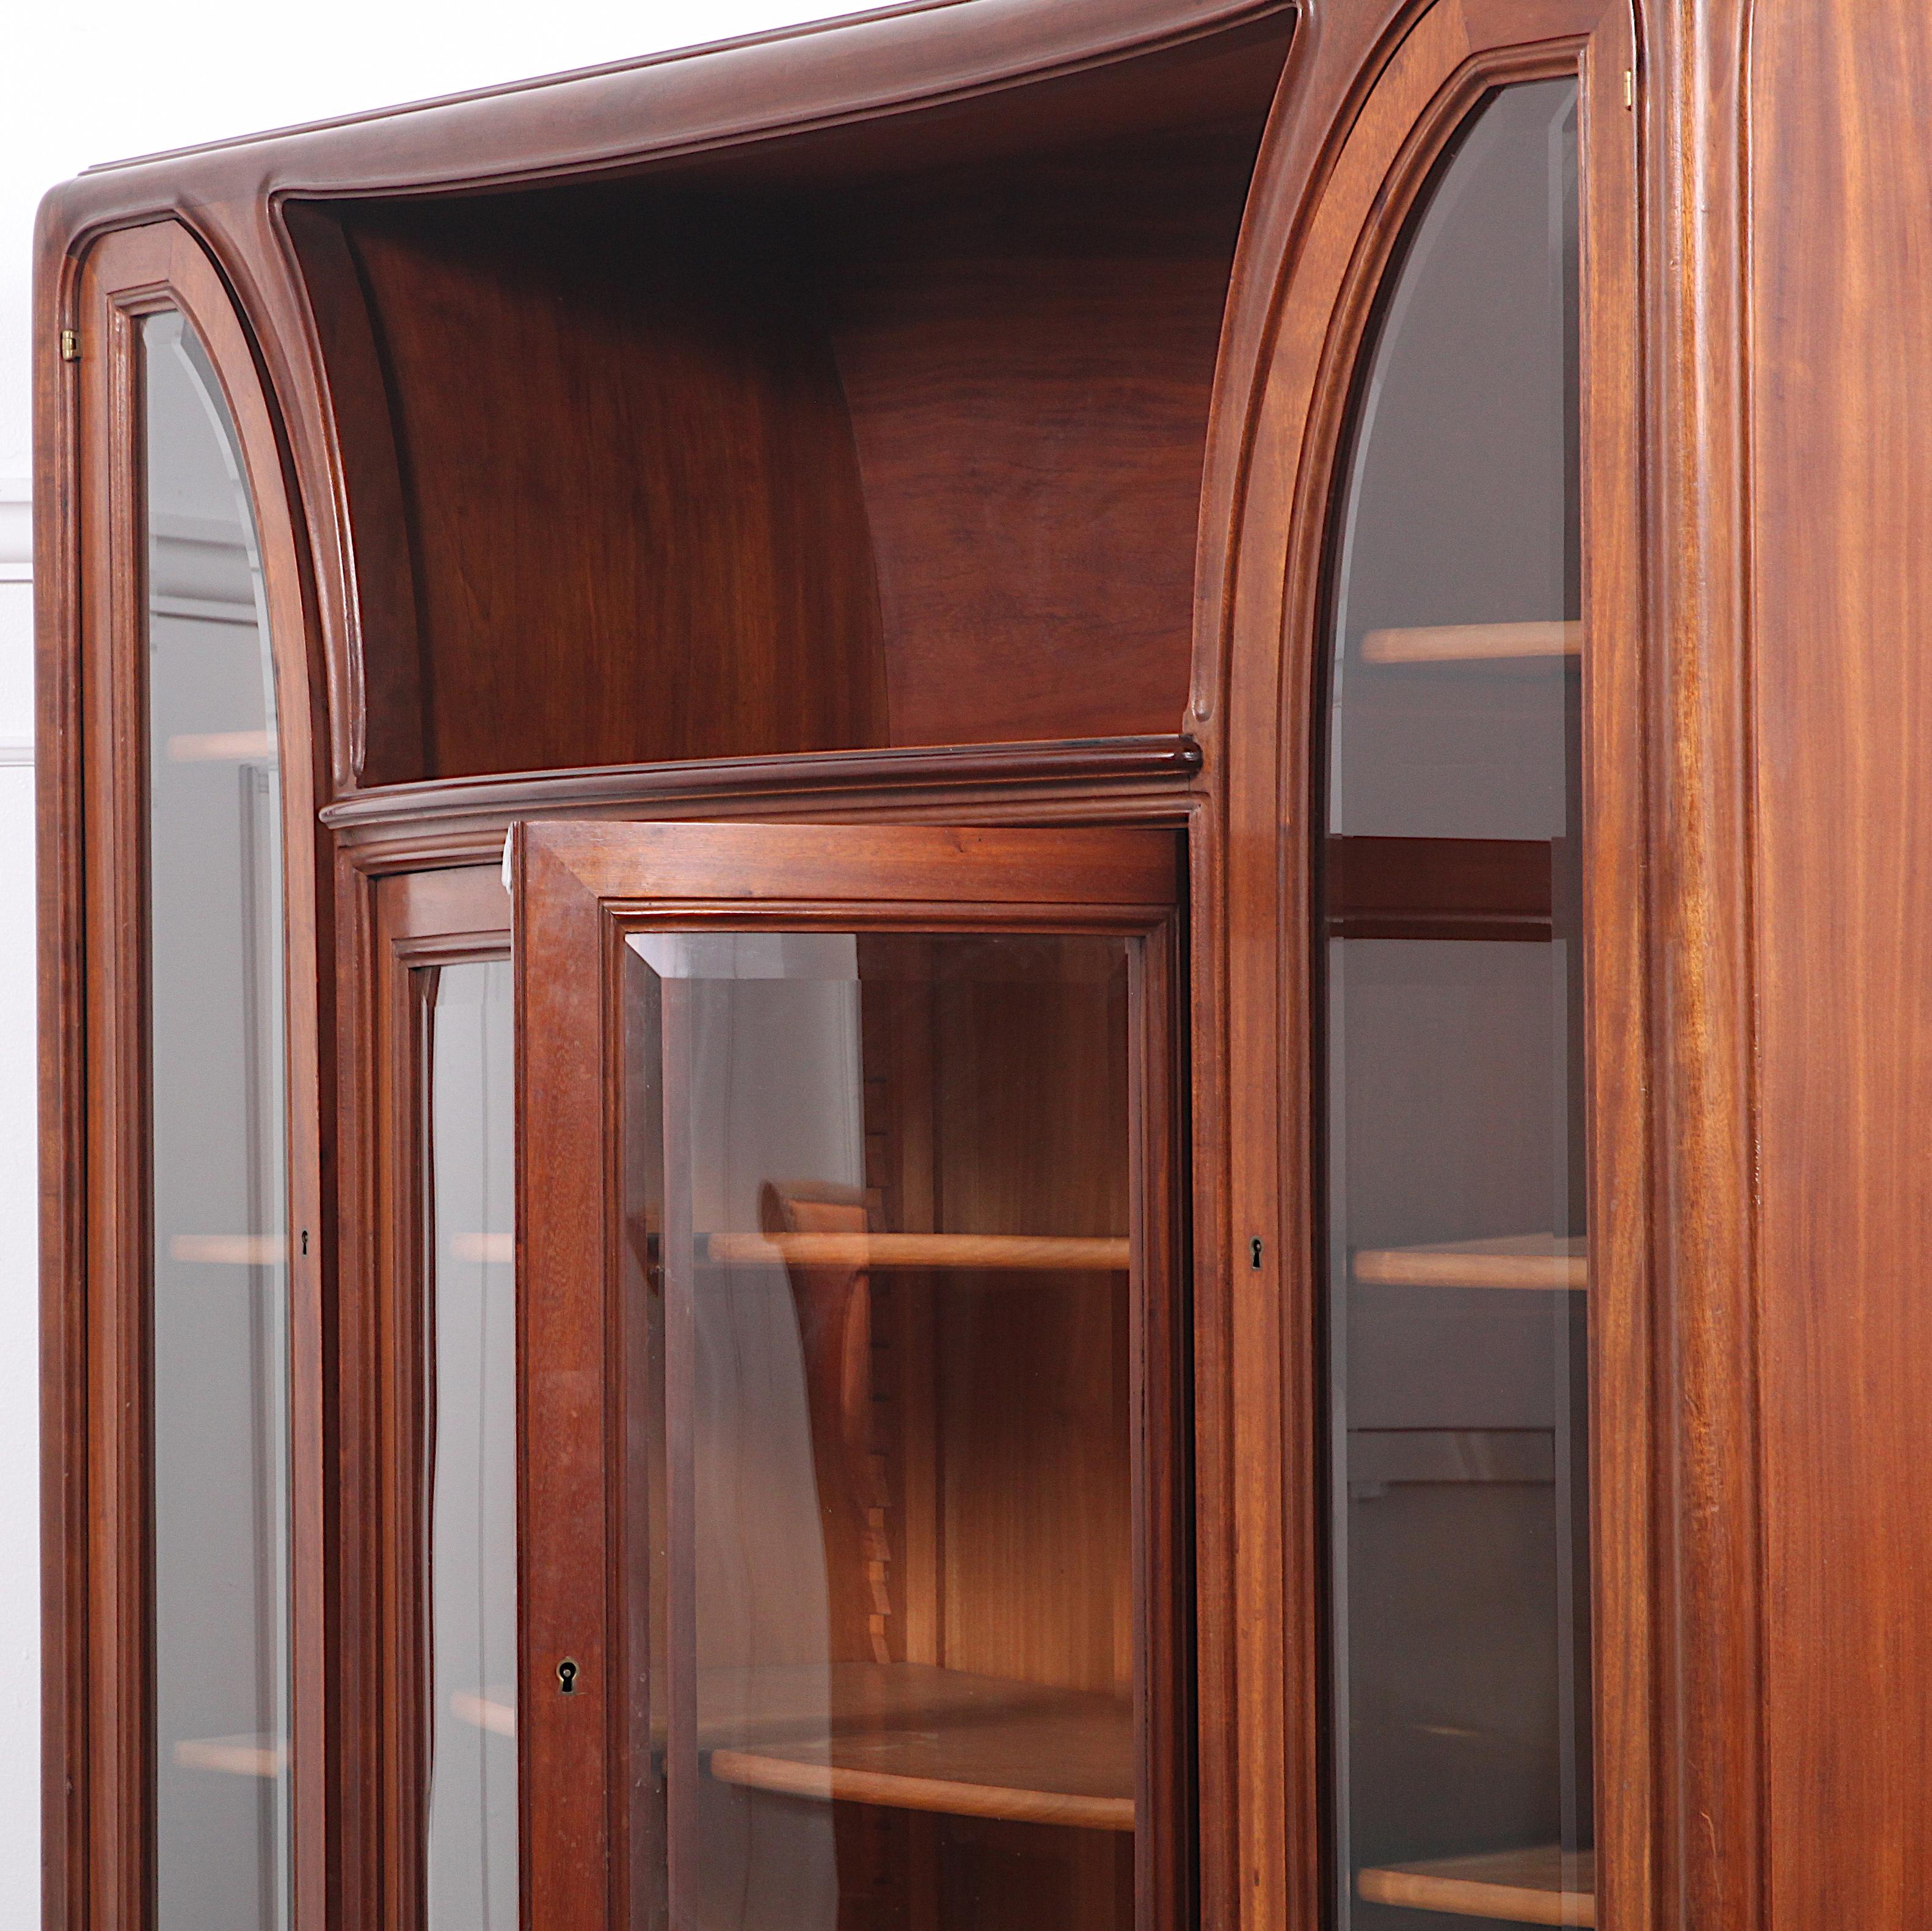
(983, 985)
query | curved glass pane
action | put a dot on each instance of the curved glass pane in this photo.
(1457, 1260)
(220, 1261)
(881, 1292)
(471, 1453)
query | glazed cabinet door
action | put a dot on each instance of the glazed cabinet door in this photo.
(1462, 1156)
(853, 1567)
(1456, 1215)
(182, 1663)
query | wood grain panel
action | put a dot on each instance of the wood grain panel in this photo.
(1372, 93)
(1028, 352)
(98, 1501)
(628, 480)
(1840, 473)
(1030, 1124)
(994, 1160)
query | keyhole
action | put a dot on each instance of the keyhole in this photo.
(566, 1678)
(1255, 1251)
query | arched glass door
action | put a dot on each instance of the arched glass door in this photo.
(1451, 892)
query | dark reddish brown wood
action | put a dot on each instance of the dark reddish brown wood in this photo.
(96, 1240)
(1814, 511)
(1372, 93)
(422, 923)
(1023, 352)
(579, 889)
(578, 601)
(382, 702)
(765, 864)
(1437, 888)
(767, 784)
(1027, 351)
(1754, 717)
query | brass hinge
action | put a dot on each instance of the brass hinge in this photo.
(69, 345)
(1630, 87)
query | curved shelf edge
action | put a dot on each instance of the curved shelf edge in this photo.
(1514, 1261)
(1540, 1885)
(823, 1782)
(1057, 1253)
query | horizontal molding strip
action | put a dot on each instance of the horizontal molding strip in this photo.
(1085, 760)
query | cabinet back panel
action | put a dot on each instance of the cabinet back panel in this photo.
(628, 483)
(1027, 352)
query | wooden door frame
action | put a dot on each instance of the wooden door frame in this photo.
(580, 891)
(1372, 95)
(95, 1224)
(394, 923)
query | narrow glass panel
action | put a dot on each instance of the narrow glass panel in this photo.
(221, 1260)
(470, 1453)
(1458, 1265)
(879, 1189)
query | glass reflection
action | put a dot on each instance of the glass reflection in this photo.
(1458, 1382)
(879, 1206)
(471, 1452)
(221, 1257)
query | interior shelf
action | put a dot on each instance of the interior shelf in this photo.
(907, 1736)
(221, 747)
(230, 1250)
(1027, 1251)
(912, 1736)
(493, 1708)
(500, 1248)
(1513, 1260)
(234, 1756)
(1540, 1886)
(1469, 643)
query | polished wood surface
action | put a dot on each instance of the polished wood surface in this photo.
(1536, 1887)
(1027, 352)
(1753, 708)
(1076, 874)
(1820, 533)
(529, 366)
(1035, 1583)
(1372, 94)
(1508, 1260)
(1389, 888)
(871, 100)
(91, 733)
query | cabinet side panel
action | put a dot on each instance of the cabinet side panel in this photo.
(1841, 470)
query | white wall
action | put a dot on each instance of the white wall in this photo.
(121, 78)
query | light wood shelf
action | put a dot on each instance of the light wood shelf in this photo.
(1514, 1261)
(993, 1252)
(1538, 1886)
(230, 1250)
(997, 1253)
(497, 1249)
(910, 1737)
(493, 1708)
(1473, 643)
(221, 747)
(234, 1756)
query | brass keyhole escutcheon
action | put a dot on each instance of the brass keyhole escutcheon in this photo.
(566, 1677)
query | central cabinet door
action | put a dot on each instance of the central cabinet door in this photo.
(853, 1566)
